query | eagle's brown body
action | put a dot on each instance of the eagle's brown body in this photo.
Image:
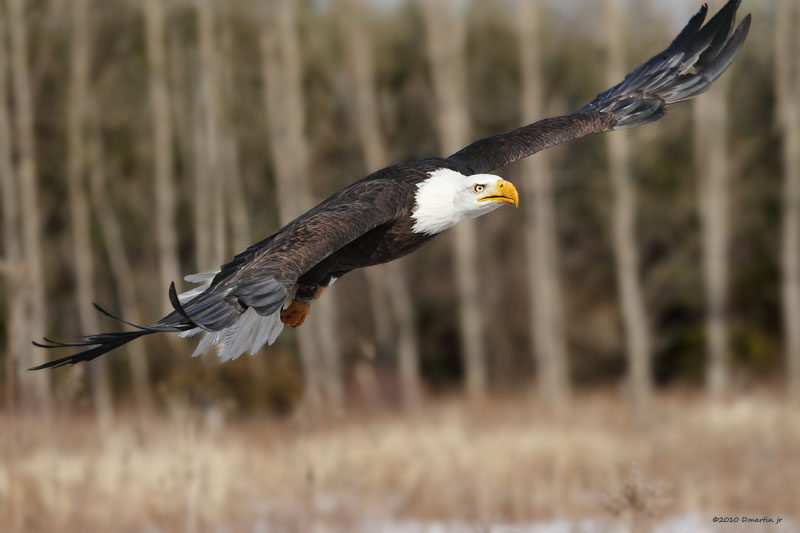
(372, 220)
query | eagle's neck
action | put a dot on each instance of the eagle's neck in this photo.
(434, 208)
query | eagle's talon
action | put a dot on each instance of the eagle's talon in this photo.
(296, 313)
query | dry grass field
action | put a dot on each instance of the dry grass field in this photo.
(479, 466)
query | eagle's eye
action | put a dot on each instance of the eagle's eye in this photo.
(478, 187)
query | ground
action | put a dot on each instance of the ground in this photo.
(462, 466)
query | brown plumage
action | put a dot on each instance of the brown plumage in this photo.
(372, 221)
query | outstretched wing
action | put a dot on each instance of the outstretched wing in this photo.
(261, 277)
(264, 278)
(687, 68)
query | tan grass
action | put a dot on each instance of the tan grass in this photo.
(482, 464)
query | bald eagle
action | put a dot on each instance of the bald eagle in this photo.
(394, 211)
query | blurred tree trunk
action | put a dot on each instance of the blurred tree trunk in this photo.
(238, 216)
(445, 27)
(34, 385)
(239, 235)
(544, 288)
(283, 97)
(208, 142)
(182, 94)
(12, 270)
(637, 337)
(390, 276)
(787, 85)
(121, 269)
(351, 26)
(201, 201)
(164, 187)
(711, 163)
(83, 267)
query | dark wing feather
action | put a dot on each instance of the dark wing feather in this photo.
(265, 277)
(698, 56)
(97, 345)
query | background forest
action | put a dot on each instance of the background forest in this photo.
(645, 294)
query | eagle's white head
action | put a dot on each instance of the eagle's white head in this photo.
(448, 197)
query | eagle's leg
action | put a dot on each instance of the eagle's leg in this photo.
(296, 313)
(298, 310)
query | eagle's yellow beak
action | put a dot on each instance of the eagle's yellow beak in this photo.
(503, 191)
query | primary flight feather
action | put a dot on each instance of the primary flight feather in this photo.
(393, 211)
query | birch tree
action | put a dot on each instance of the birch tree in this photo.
(121, 269)
(36, 385)
(391, 276)
(281, 65)
(238, 216)
(164, 187)
(787, 85)
(711, 163)
(445, 27)
(11, 261)
(377, 277)
(543, 285)
(637, 338)
(83, 266)
(210, 211)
